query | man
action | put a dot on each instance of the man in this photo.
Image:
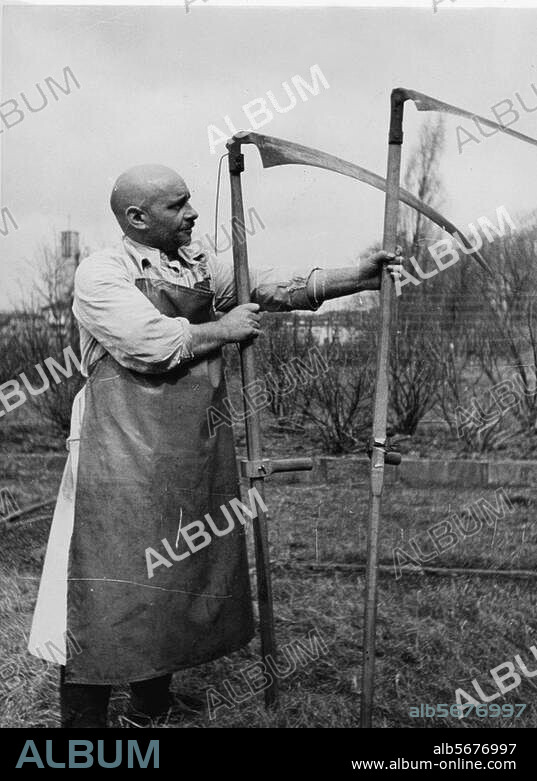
(142, 469)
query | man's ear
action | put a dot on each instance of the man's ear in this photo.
(136, 218)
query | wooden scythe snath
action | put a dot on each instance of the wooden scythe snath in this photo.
(255, 467)
(379, 452)
(379, 443)
(275, 152)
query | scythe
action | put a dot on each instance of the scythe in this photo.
(379, 453)
(274, 152)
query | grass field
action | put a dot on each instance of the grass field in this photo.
(435, 632)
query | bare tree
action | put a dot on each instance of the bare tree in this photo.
(509, 345)
(339, 403)
(282, 340)
(422, 178)
(46, 327)
(415, 375)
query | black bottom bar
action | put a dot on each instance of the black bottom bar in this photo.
(330, 751)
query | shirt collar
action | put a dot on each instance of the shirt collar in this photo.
(140, 252)
(155, 256)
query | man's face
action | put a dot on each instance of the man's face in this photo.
(168, 216)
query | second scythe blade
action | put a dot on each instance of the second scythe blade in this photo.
(427, 103)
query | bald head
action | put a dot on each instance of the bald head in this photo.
(139, 186)
(151, 204)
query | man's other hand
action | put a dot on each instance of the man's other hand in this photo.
(369, 269)
(241, 323)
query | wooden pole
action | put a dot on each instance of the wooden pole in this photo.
(253, 426)
(381, 406)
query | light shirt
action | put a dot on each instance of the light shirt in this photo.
(115, 317)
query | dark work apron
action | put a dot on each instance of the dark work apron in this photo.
(148, 465)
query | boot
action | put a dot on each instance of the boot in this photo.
(83, 705)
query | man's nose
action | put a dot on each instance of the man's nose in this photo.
(192, 213)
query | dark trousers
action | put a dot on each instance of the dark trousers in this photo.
(85, 705)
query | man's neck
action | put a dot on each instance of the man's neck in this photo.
(170, 254)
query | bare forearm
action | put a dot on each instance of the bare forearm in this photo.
(207, 337)
(239, 325)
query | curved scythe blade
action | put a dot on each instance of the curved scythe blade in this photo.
(276, 151)
(427, 103)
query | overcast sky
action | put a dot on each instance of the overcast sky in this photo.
(152, 80)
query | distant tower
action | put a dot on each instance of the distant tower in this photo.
(70, 257)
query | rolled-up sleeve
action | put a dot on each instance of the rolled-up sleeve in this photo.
(121, 318)
(274, 289)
